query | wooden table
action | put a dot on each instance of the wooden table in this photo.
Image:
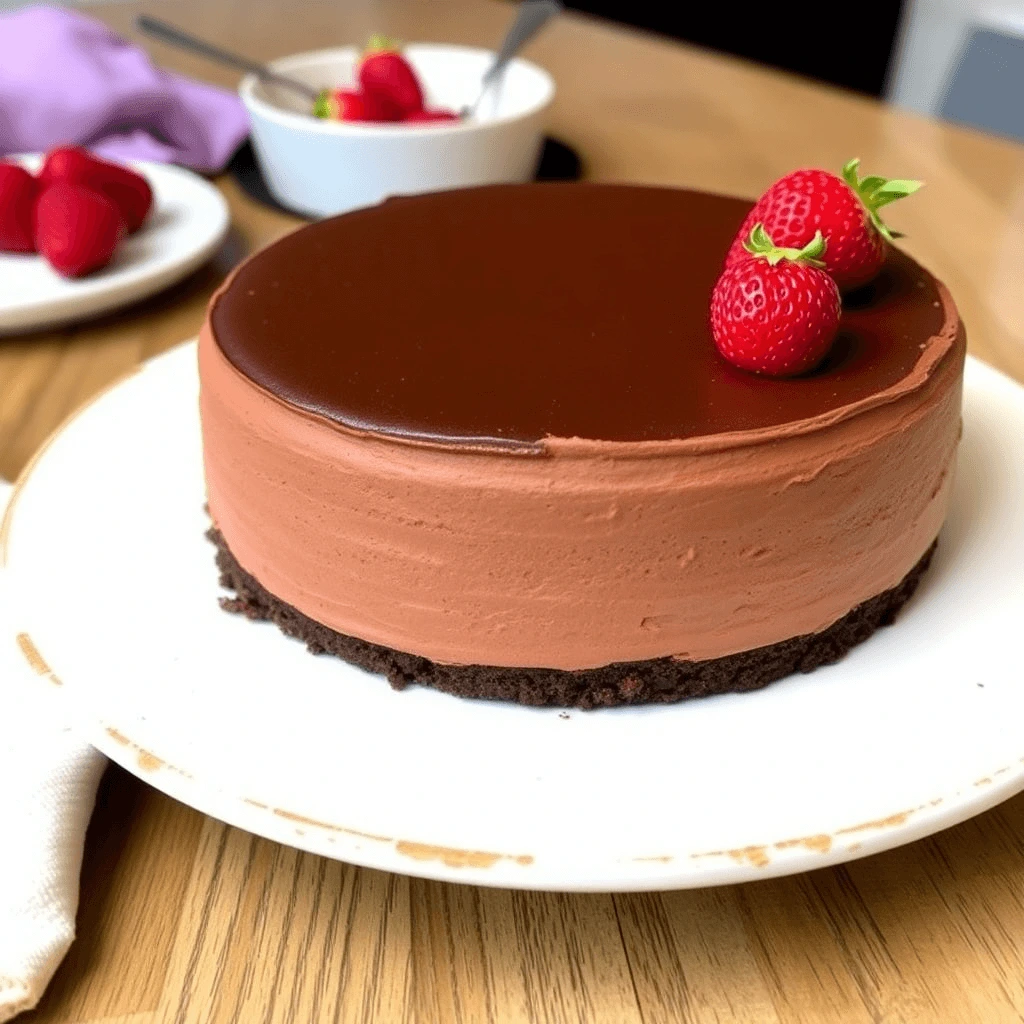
(184, 919)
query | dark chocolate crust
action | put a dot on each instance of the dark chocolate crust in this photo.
(657, 681)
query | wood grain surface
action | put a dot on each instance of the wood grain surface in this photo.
(184, 919)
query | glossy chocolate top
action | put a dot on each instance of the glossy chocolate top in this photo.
(514, 312)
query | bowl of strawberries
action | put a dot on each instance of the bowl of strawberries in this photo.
(394, 120)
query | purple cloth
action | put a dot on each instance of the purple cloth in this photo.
(68, 78)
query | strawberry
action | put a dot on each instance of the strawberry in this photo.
(775, 311)
(379, 107)
(341, 105)
(389, 80)
(76, 229)
(129, 191)
(351, 105)
(18, 191)
(430, 116)
(844, 210)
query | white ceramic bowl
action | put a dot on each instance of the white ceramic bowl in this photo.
(320, 167)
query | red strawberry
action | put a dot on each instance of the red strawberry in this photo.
(429, 116)
(130, 191)
(775, 311)
(351, 105)
(388, 79)
(18, 191)
(342, 105)
(379, 107)
(844, 211)
(76, 228)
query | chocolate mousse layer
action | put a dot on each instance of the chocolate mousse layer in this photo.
(657, 681)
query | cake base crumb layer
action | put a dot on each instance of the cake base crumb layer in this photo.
(655, 681)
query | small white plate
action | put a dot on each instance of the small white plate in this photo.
(116, 596)
(188, 222)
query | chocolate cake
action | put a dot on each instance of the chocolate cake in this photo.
(482, 440)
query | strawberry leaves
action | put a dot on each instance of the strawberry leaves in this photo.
(875, 192)
(760, 244)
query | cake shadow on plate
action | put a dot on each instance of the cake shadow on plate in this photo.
(655, 681)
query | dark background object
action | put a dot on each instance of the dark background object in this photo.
(850, 46)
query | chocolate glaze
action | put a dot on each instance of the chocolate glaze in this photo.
(506, 314)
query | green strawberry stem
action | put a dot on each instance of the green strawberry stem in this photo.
(380, 43)
(760, 244)
(322, 105)
(875, 192)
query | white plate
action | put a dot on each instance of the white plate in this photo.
(913, 731)
(188, 222)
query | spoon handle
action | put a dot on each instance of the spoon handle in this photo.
(532, 16)
(177, 37)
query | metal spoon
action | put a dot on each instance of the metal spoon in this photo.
(176, 37)
(532, 17)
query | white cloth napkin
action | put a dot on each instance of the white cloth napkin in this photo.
(48, 781)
